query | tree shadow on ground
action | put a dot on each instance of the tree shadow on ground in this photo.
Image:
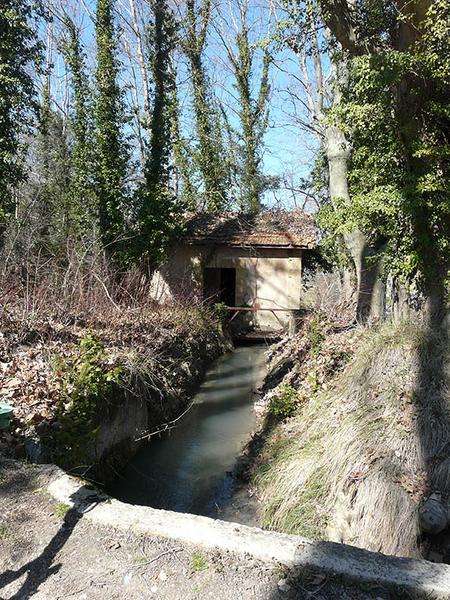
(42, 567)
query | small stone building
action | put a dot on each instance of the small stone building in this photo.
(246, 262)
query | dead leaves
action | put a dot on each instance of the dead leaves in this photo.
(33, 351)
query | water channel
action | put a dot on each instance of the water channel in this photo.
(190, 468)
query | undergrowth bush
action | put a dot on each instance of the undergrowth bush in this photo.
(316, 334)
(283, 405)
(87, 382)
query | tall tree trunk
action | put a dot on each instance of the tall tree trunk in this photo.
(370, 290)
(141, 61)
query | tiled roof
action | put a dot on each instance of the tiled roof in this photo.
(285, 229)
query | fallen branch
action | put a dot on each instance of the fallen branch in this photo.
(155, 558)
(166, 427)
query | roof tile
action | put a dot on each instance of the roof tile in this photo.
(288, 229)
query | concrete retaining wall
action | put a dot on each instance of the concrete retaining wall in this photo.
(364, 567)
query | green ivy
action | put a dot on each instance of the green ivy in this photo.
(209, 151)
(20, 55)
(159, 212)
(283, 405)
(111, 148)
(87, 384)
(81, 195)
(395, 111)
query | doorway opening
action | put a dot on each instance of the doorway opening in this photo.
(219, 285)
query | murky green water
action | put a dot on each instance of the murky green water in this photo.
(190, 468)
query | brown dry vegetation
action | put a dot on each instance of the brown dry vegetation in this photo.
(362, 451)
(44, 318)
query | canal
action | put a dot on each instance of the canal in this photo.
(191, 468)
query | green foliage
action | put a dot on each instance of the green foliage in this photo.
(159, 212)
(87, 384)
(5, 533)
(20, 53)
(253, 115)
(316, 334)
(209, 153)
(183, 160)
(60, 510)
(198, 562)
(80, 196)
(283, 405)
(395, 111)
(52, 208)
(111, 149)
(220, 311)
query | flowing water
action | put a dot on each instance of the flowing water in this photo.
(190, 468)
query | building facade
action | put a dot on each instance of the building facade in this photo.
(251, 264)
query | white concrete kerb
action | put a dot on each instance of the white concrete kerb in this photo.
(417, 576)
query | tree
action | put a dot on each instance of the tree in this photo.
(111, 149)
(51, 163)
(210, 152)
(323, 97)
(395, 109)
(20, 53)
(252, 112)
(158, 215)
(81, 202)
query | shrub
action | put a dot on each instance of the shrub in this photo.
(221, 312)
(316, 334)
(86, 383)
(284, 404)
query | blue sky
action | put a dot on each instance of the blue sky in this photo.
(289, 148)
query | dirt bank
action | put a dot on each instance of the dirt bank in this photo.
(362, 455)
(84, 390)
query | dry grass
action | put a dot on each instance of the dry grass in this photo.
(47, 308)
(355, 462)
(329, 294)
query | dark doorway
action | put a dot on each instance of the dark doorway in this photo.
(219, 285)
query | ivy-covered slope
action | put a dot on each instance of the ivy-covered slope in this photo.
(84, 392)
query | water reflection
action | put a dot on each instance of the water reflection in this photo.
(189, 468)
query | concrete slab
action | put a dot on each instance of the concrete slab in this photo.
(364, 567)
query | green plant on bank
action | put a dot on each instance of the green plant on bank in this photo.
(312, 380)
(4, 532)
(198, 562)
(305, 517)
(284, 404)
(316, 335)
(86, 384)
(60, 510)
(220, 311)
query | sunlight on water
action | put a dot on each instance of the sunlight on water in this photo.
(189, 469)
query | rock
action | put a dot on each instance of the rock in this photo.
(433, 514)
(283, 586)
(34, 449)
(435, 557)
(162, 576)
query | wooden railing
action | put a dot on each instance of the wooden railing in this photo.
(238, 309)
